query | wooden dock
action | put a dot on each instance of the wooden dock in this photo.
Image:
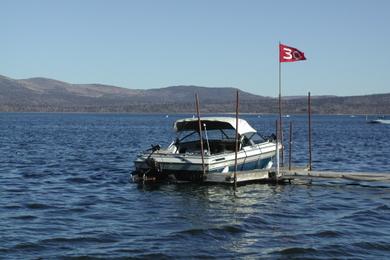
(355, 176)
(287, 176)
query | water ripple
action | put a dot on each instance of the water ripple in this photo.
(65, 193)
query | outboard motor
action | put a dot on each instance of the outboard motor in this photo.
(154, 148)
(154, 167)
(152, 163)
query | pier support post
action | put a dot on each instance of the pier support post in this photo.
(309, 130)
(290, 147)
(277, 166)
(200, 135)
(237, 143)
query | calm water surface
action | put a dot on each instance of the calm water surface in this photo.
(65, 192)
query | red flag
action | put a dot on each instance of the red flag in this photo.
(289, 54)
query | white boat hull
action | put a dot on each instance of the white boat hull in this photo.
(189, 167)
(380, 121)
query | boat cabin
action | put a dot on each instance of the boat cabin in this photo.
(218, 134)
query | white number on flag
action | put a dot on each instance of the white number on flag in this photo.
(287, 53)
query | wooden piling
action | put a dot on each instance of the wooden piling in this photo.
(309, 130)
(200, 135)
(277, 166)
(237, 146)
(290, 147)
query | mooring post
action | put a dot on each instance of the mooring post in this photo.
(277, 148)
(237, 146)
(200, 135)
(290, 148)
(309, 132)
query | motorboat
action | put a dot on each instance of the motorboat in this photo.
(380, 121)
(184, 159)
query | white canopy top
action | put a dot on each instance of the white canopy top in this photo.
(214, 123)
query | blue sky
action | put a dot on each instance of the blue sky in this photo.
(152, 44)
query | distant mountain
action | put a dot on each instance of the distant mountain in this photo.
(42, 94)
(48, 95)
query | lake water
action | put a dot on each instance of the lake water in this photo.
(65, 192)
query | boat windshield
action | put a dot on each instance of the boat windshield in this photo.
(257, 138)
(221, 134)
(214, 141)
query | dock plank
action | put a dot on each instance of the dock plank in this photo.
(358, 176)
(269, 175)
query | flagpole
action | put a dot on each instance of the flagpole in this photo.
(287, 54)
(280, 108)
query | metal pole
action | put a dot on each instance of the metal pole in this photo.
(290, 147)
(280, 109)
(309, 114)
(200, 135)
(277, 148)
(236, 151)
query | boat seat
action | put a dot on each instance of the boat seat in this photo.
(220, 148)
